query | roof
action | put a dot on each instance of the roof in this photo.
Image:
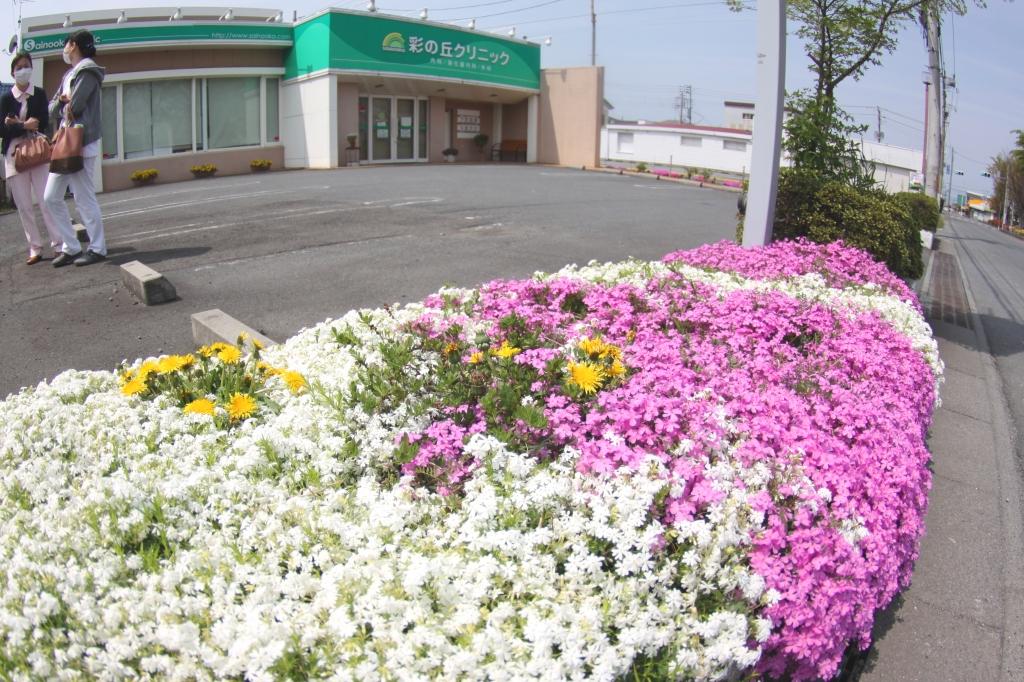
(684, 126)
(741, 105)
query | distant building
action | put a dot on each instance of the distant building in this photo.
(739, 115)
(979, 207)
(728, 150)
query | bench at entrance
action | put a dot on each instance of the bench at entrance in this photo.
(509, 150)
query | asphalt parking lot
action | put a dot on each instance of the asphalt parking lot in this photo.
(285, 250)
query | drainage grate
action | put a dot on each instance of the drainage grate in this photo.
(947, 294)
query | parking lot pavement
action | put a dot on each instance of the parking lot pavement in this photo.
(285, 250)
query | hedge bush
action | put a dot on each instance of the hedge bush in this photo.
(826, 211)
(924, 210)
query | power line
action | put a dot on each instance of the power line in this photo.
(633, 10)
(510, 11)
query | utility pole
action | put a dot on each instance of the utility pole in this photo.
(934, 118)
(593, 35)
(767, 134)
(684, 103)
(879, 135)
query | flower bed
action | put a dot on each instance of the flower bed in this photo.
(684, 469)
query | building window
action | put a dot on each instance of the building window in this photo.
(625, 143)
(691, 141)
(160, 118)
(109, 114)
(273, 117)
(748, 117)
(734, 145)
(233, 112)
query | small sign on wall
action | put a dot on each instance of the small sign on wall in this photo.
(467, 123)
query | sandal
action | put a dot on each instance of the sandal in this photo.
(32, 260)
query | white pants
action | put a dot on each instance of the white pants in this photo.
(25, 187)
(82, 187)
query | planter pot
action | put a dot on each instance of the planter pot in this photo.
(258, 169)
(199, 176)
(140, 183)
(449, 158)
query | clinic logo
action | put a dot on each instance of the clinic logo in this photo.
(33, 45)
(393, 42)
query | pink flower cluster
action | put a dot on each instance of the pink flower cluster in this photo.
(840, 265)
(837, 407)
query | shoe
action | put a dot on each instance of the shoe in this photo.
(89, 258)
(32, 260)
(65, 259)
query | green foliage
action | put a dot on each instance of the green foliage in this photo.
(818, 140)
(641, 167)
(924, 211)
(825, 210)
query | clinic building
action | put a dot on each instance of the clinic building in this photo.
(194, 86)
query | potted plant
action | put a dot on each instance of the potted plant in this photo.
(146, 176)
(450, 153)
(260, 165)
(480, 140)
(203, 171)
(353, 140)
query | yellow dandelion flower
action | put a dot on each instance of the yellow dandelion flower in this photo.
(229, 355)
(295, 381)
(592, 346)
(451, 348)
(148, 367)
(199, 406)
(241, 406)
(136, 385)
(631, 335)
(506, 351)
(267, 368)
(610, 351)
(126, 376)
(257, 344)
(213, 349)
(587, 376)
(172, 363)
(476, 358)
(617, 369)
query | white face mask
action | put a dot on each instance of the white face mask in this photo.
(23, 75)
(67, 57)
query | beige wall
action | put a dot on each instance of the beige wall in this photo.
(176, 167)
(167, 59)
(513, 121)
(348, 118)
(435, 129)
(571, 106)
(468, 151)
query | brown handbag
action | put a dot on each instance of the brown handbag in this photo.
(33, 152)
(66, 152)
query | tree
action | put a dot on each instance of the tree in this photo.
(1008, 176)
(842, 38)
(820, 139)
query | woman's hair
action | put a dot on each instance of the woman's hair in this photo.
(85, 42)
(18, 56)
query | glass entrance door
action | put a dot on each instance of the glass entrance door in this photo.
(380, 115)
(397, 129)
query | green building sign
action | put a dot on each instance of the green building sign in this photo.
(369, 43)
(171, 32)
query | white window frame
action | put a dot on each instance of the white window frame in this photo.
(199, 78)
(726, 147)
(619, 139)
(685, 140)
(393, 109)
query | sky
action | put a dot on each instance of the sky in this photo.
(651, 48)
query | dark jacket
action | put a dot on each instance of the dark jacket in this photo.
(9, 106)
(86, 100)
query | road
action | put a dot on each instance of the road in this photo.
(286, 250)
(993, 265)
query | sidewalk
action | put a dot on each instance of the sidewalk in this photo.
(963, 616)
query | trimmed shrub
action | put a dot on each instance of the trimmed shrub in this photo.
(203, 171)
(641, 167)
(825, 211)
(924, 210)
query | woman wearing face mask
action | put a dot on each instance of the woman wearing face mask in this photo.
(78, 102)
(24, 113)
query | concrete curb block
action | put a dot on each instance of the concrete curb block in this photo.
(211, 326)
(1011, 504)
(81, 232)
(147, 285)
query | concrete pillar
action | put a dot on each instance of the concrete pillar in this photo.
(348, 117)
(436, 129)
(309, 122)
(497, 120)
(532, 124)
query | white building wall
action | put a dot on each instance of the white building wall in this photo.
(665, 146)
(309, 122)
